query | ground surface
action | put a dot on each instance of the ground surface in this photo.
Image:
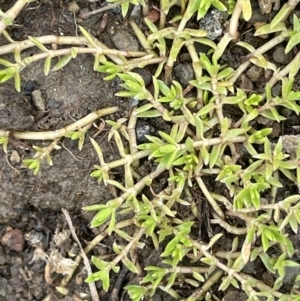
(33, 204)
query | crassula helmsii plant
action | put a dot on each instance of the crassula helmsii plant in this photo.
(205, 145)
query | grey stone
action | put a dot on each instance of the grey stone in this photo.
(123, 40)
(211, 23)
(290, 274)
(280, 57)
(143, 129)
(255, 73)
(38, 100)
(184, 73)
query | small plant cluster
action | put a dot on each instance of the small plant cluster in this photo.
(203, 145)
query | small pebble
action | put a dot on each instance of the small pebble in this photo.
(38, 100)
(136, 12)
(153, 15)
(276, 130)
(245, 83)
(280, 57)
(157, 297)
(255, 73)
(15, 157)
(123, 40)
(34, 237)
(235, 295)
(73, 7)
(14, 239)
(257, 15)
(211, 24)
(276, 90)
(145, 74)
(28, 88)
(184, 73)
(143, 129)
(268, 74)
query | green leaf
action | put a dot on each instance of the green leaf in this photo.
(105, 281)
(168, 160)
(278, 283)
(287, 86)
(267, 261)
(167, 137)
(296, 23)
(246, 249)
(198, 276)
(294, 223)
(170, 292)
(136, 292)
(47, 65)
(176, 47)
(204, 154)
(219, 5)
(144, 108)
(112, 221)
(260, 61)
(169, 31)
(124, 7)
(272, 114)
(209, 261)
(203, 41)
(171, 246)
(225, 73)
(7, 74)
(6, 63)
(129, 265)
(62, 62)
(88, 36)
(225, 283)
(267, 29)
(167, 149)
(99, 263)
(38, 44)
(293, 95)
(294, 40)
(214, 155)
(4, 141)
(280, 16)
(253, 114)
(194, 33)
(233, 133)
(247, 46)
(191, 282)
(246, 9)
(17, 81)
(32, 164)
(291, 263)
(265, 241)
(294, 69)
(101, 217)
(213, 240)
(74, 52)
(171, 280)
(206, 109)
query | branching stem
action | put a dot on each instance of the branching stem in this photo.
(9, 17)
(51, 135)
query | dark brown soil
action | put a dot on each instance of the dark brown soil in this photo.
(33, 203)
